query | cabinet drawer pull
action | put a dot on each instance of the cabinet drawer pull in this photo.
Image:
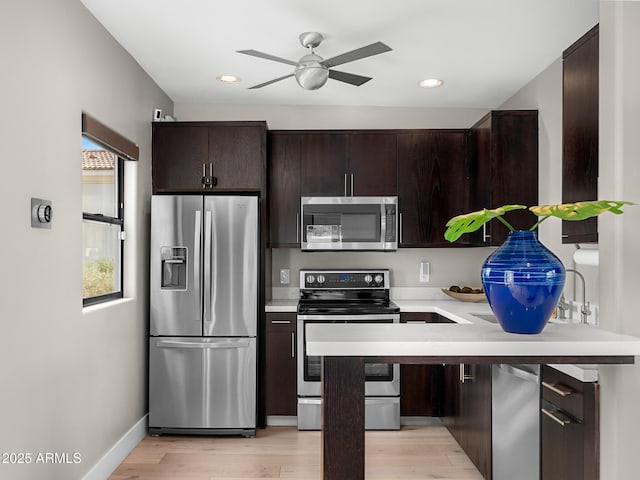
(552, 415)
(287, 322)
(421, 322)
(563, 392)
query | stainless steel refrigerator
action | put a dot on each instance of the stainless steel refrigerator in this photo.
(203, 314)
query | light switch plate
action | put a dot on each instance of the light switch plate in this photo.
(424, 272)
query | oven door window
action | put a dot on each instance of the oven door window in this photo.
(373, 372)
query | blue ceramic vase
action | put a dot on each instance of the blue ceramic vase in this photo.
(523, 281)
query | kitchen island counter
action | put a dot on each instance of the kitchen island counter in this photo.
(346, 347)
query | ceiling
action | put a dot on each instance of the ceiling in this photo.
(484, 50)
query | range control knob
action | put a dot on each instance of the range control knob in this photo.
(368, 278)
(379, 278)
(320, 279)
(311, 279)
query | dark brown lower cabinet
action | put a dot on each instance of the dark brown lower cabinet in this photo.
(280, 381)
(422, 386)
(467, 411)
(569, 424)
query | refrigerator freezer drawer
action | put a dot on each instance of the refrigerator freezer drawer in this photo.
(202, 383)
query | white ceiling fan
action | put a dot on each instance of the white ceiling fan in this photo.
(312, 71)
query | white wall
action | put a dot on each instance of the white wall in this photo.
(282, 117)
(71, 381)
(620, 235)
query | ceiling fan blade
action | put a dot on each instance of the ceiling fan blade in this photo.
(357, 54)
(345, 77)
(270, 82)
(266, 56)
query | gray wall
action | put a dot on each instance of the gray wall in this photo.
(619, 235)
(72, 380)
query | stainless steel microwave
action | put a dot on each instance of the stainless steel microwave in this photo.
(349, 223)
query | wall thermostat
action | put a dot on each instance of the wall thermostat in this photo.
(41, 213)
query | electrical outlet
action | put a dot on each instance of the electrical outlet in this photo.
(424, 272)
(284, 276)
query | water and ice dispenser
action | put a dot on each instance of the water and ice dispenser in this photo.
(174, 268)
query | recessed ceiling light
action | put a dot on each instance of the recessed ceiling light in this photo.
(431, 83)
(228, 78)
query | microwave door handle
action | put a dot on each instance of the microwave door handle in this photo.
(383, 223)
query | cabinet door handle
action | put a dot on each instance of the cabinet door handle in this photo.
(345, 184)
(463, 375)
(553, 416)
(352, 193)
(421, 322)
(297, 227)
(293, 345)
(287, 322)
(485, 236)
(204, 175)
(563, 392)
(401, 227)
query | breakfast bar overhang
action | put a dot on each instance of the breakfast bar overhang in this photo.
(346, 348)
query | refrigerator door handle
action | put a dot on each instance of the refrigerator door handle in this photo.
(197, 235)
(203, 345)
(207, 315)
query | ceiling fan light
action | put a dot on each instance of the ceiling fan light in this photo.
(431, 83)
(311, 77)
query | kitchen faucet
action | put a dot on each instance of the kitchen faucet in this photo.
(585, 311)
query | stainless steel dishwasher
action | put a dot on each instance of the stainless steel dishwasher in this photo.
(515, 422)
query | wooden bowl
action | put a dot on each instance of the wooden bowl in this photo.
(466, 297)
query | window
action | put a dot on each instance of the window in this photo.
(102, 212)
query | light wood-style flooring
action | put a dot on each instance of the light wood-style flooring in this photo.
(427, 452)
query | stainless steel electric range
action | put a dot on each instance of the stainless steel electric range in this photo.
(347, 296)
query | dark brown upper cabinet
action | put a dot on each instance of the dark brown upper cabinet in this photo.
(504, 169)
(323, 160)
(580, 132)
(372, 164)
(433, 184)
(209, 156)
(284, 189)
(324, 163)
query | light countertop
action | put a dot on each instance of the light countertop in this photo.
(465, 340)
(471, 335)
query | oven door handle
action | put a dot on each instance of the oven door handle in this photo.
(360, 318)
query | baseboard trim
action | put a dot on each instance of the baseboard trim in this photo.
(123, 447)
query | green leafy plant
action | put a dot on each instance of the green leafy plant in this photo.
(470, 222)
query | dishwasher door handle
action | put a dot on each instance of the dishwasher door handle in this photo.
(520, 373)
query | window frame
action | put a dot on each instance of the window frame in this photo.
(105, 219)
(124, 150)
